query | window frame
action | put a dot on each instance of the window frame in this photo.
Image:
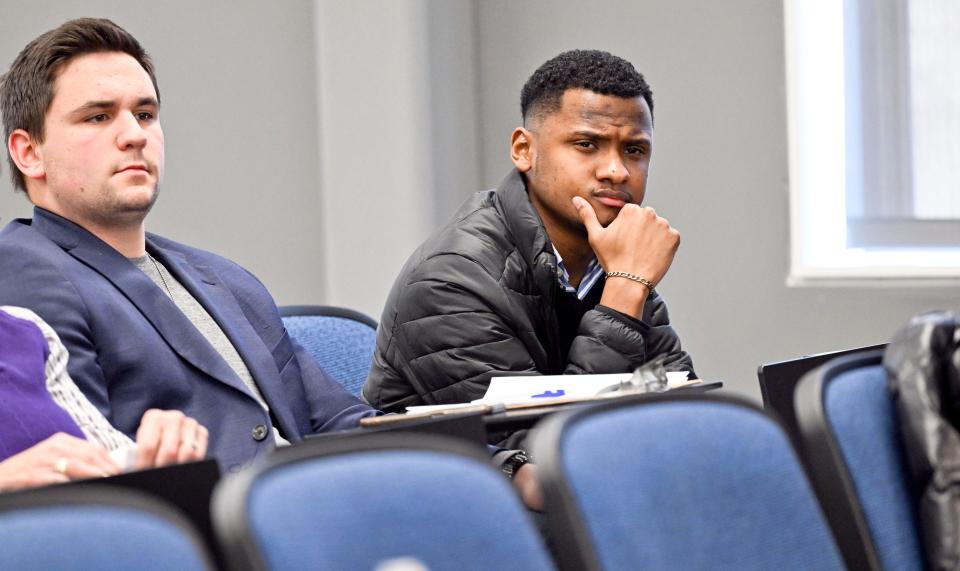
(817, 138)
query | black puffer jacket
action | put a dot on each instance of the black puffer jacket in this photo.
(923, 365)
(477, 297)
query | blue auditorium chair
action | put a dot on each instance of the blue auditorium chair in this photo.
(341, 340)
(359, 501)
(848, 425)
(678, 482)
(95, 529)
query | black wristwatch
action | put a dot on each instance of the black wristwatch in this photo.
(512, 464)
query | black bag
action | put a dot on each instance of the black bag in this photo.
(923, 368)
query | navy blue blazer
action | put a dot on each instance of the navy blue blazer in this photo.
(132, 349)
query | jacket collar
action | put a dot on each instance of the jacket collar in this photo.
(533, 244)
(176, 329)
(206, 286)
(525, 225)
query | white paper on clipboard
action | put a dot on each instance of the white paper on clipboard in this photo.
(516, 389)
(525, 389)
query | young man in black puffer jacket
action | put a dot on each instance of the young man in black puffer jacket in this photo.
(554, 271)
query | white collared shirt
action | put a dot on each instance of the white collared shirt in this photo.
(590, 276)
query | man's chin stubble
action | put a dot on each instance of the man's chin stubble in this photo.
(125, 213)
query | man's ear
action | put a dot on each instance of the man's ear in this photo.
(25, 152)
(521, 149)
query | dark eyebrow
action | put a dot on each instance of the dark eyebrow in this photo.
(93, 106)
(100, 105)
(588, 134)
(593, 135)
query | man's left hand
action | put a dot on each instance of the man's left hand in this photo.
(169, 437)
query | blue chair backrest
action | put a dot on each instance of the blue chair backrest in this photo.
(91, 529)
(342, 341)
(679, 483)
(356, 502)
(863, 419)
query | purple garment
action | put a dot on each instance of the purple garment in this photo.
(28, 414)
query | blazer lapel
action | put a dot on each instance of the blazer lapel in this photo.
(179, 333)
(207, 288)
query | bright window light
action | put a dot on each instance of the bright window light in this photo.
(818, 90)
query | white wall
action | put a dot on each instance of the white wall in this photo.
(398, 135)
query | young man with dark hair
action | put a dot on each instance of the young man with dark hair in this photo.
(554, 271)
(148, 322)
(29, 85)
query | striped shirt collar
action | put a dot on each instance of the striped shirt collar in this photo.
(590, 276)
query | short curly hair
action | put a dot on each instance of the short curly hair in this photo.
(594, 70)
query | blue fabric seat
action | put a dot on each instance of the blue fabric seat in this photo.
(341, 340)
(95, 528)
(849, 427)
(670, 482)
(358, 501)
